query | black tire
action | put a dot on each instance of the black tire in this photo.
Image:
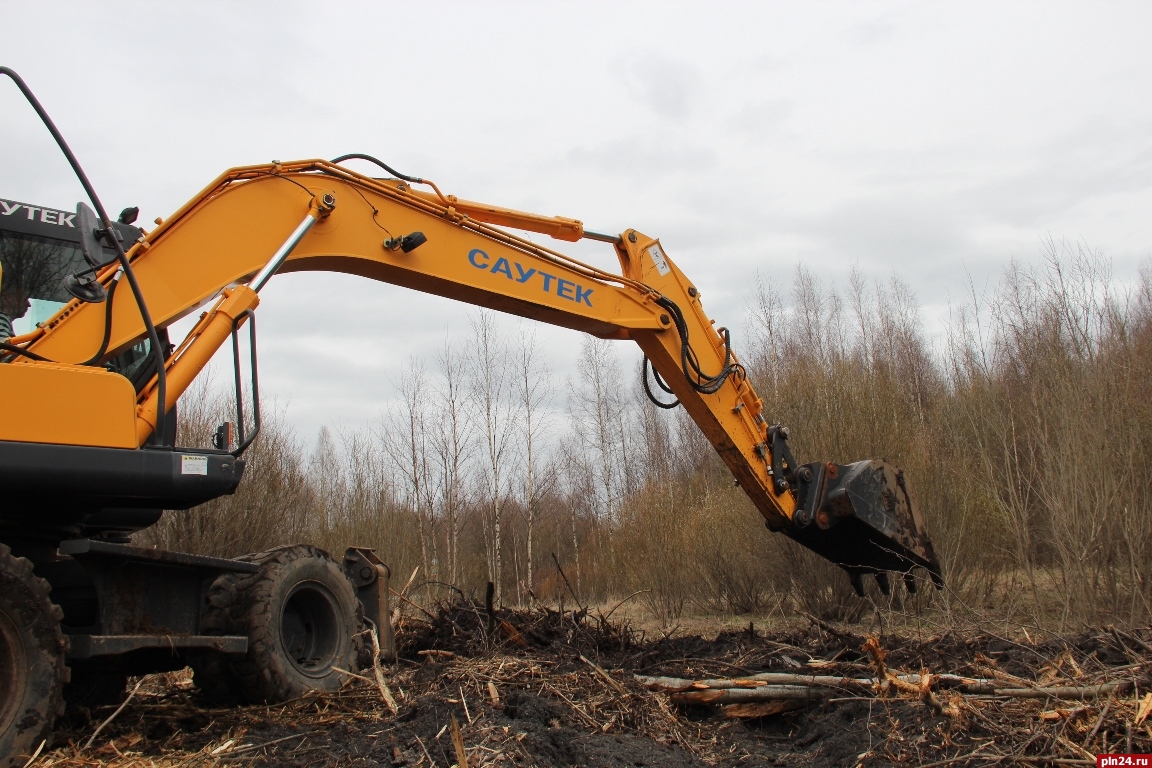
(302, 619)
(32, 670)
(212, 672)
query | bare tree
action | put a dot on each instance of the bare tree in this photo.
(404, 437)
(595, 405)
(533, 390)
(324, 473)
(767, 330)
(452, 442)
(490, 383)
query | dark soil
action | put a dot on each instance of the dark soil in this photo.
(565, 696)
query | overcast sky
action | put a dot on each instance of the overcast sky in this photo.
(929, 140)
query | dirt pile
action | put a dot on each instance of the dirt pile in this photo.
(548, 689)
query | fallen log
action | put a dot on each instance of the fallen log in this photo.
(1064, 692)
(744, 695)
(757, 709)
(782, 686)
(677, 685)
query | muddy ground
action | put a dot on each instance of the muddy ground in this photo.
(548, 689)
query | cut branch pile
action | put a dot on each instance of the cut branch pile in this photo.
(547, 687)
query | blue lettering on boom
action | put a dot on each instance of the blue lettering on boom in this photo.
(565, 289)
(476, 253)
(501, 268)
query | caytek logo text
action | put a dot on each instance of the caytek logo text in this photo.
(565, 289)
(31, 212)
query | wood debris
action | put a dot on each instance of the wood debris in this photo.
(473, 697)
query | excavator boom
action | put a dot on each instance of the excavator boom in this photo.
(253, 222)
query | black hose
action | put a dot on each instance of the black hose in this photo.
(23, 352)
(644, 366)
(107, 326)
(153, 337)
(703, 383)
(380, 163)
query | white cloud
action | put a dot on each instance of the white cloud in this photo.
(926, 140)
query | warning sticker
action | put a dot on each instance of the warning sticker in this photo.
(193, 465)
(659, 260)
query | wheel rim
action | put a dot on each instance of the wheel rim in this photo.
(13, 671)
(311, 630)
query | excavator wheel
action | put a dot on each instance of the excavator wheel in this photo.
(212, 672)
(32, 670)
(303, 621)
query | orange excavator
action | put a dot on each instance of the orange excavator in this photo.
(87, 440)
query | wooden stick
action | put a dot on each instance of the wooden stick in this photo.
(1085, 692)
(112, 716)
(426, 752)
(417, 607)
(458, 744)
(600, 671)
(379, 673)
(677, 685)
(398, 611)
(563, 576)
(36, 754)
(353, 674)
(251, 747)
(464, 702)
(411, 579)
(637, 592)
(436, 654)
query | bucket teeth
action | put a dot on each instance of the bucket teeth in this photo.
(857, 580)
(883, 583)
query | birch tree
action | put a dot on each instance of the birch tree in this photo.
(404, 438)
(596, 406)
(532, 387)
(490, 384)
(452, 446)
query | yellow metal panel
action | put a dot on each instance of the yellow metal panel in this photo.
(228, 233)
(67, 404)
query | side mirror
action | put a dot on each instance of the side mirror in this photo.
(83, 285)
(91, 233)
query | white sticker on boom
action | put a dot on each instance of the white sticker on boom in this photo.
(194, 465)
(659, 260)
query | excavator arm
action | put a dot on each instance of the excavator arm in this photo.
(222, 247)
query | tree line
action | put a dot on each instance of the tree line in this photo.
(1024, 432)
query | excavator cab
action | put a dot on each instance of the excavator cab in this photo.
(41, 255)
(40, 249)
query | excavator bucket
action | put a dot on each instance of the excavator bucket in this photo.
(862, 517)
